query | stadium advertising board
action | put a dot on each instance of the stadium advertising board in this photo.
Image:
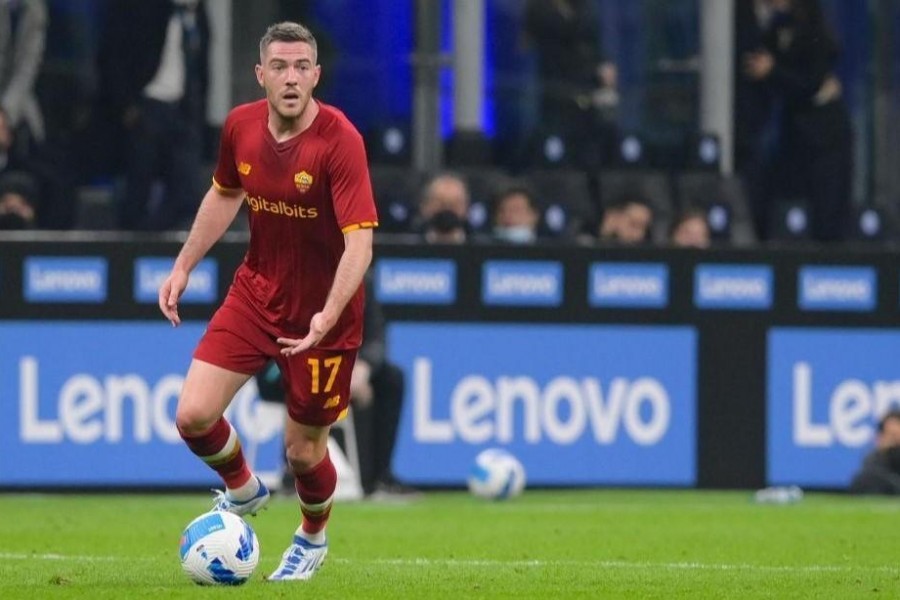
(577, 404)
(522, 283)
(734, 287)
(65, 279)
(415, 281)
(827, 388)
(629, 285)
(837, 288)
(149, 274)
(93, 403)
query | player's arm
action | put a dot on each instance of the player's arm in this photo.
(216, 212)
(347, 278)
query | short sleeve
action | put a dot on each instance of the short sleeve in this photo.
(351, 187)
(226, 177)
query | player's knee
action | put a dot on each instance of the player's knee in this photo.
(192, 420)
(302, 455)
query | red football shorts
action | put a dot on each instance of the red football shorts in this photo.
(317, 381)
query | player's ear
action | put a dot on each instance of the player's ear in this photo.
(259, 75)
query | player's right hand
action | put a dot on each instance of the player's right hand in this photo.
(169, 293)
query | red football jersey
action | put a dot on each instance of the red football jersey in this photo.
(303, 195)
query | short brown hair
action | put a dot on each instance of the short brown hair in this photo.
(287, 31)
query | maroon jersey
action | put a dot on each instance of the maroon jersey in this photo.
(303, 195)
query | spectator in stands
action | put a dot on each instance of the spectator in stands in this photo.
(515, 216)
(20, 181)
(690, 229)
(377, 387)
(880, 470)
(754, 126)
(444, 210)
(577, 82)
(799, 60)
(154, 73)
(627, 220)
(23, 32)
(18, 201)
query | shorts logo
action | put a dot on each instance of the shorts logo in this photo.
(303, 181)
(332, 402)
(244, 168)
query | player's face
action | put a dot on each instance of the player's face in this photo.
(289, 74)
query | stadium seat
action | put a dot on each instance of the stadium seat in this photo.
(467, 149)
(702, 152)
(389, 145)
(95, 208)
(631, 151)
(565, 198)
(718, 195)
(790, 221)
(548, 150)
(871, 223)
(484, 184)
(396, 190)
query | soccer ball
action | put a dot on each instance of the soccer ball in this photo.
(496, 475)
(219, 548)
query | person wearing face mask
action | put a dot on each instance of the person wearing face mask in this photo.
(515, 217)
(154, 71)
(444, 209)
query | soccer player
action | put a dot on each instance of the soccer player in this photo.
(297, 297)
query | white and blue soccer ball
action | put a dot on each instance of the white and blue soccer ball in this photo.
(219, 548)
(496, 474)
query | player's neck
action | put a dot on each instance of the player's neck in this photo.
(284, 129)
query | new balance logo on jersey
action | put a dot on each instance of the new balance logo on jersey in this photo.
(282, 208)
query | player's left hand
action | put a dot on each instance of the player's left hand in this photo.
(318, 327)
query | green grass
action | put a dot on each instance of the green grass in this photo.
(546, 544)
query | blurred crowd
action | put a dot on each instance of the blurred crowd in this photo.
(112, 95)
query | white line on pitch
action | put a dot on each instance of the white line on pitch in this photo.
(68, 557)
(496, 563)
(621, 564)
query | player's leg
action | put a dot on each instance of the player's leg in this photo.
(315, 479)
(222, 363)
(207, 391)
(318, 386)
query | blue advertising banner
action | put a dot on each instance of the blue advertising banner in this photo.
(629, 285)
(578, 404)
(65, 279)
(94, 403)
(736, 287)
(837, 288)
(415, 281)
(827, 388)
(522, 283)
(150, 272)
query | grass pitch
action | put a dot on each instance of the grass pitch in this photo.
(546, 544)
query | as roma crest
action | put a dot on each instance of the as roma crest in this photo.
(303, 181)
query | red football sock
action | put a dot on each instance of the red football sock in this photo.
(220, 448)
(316, 490)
